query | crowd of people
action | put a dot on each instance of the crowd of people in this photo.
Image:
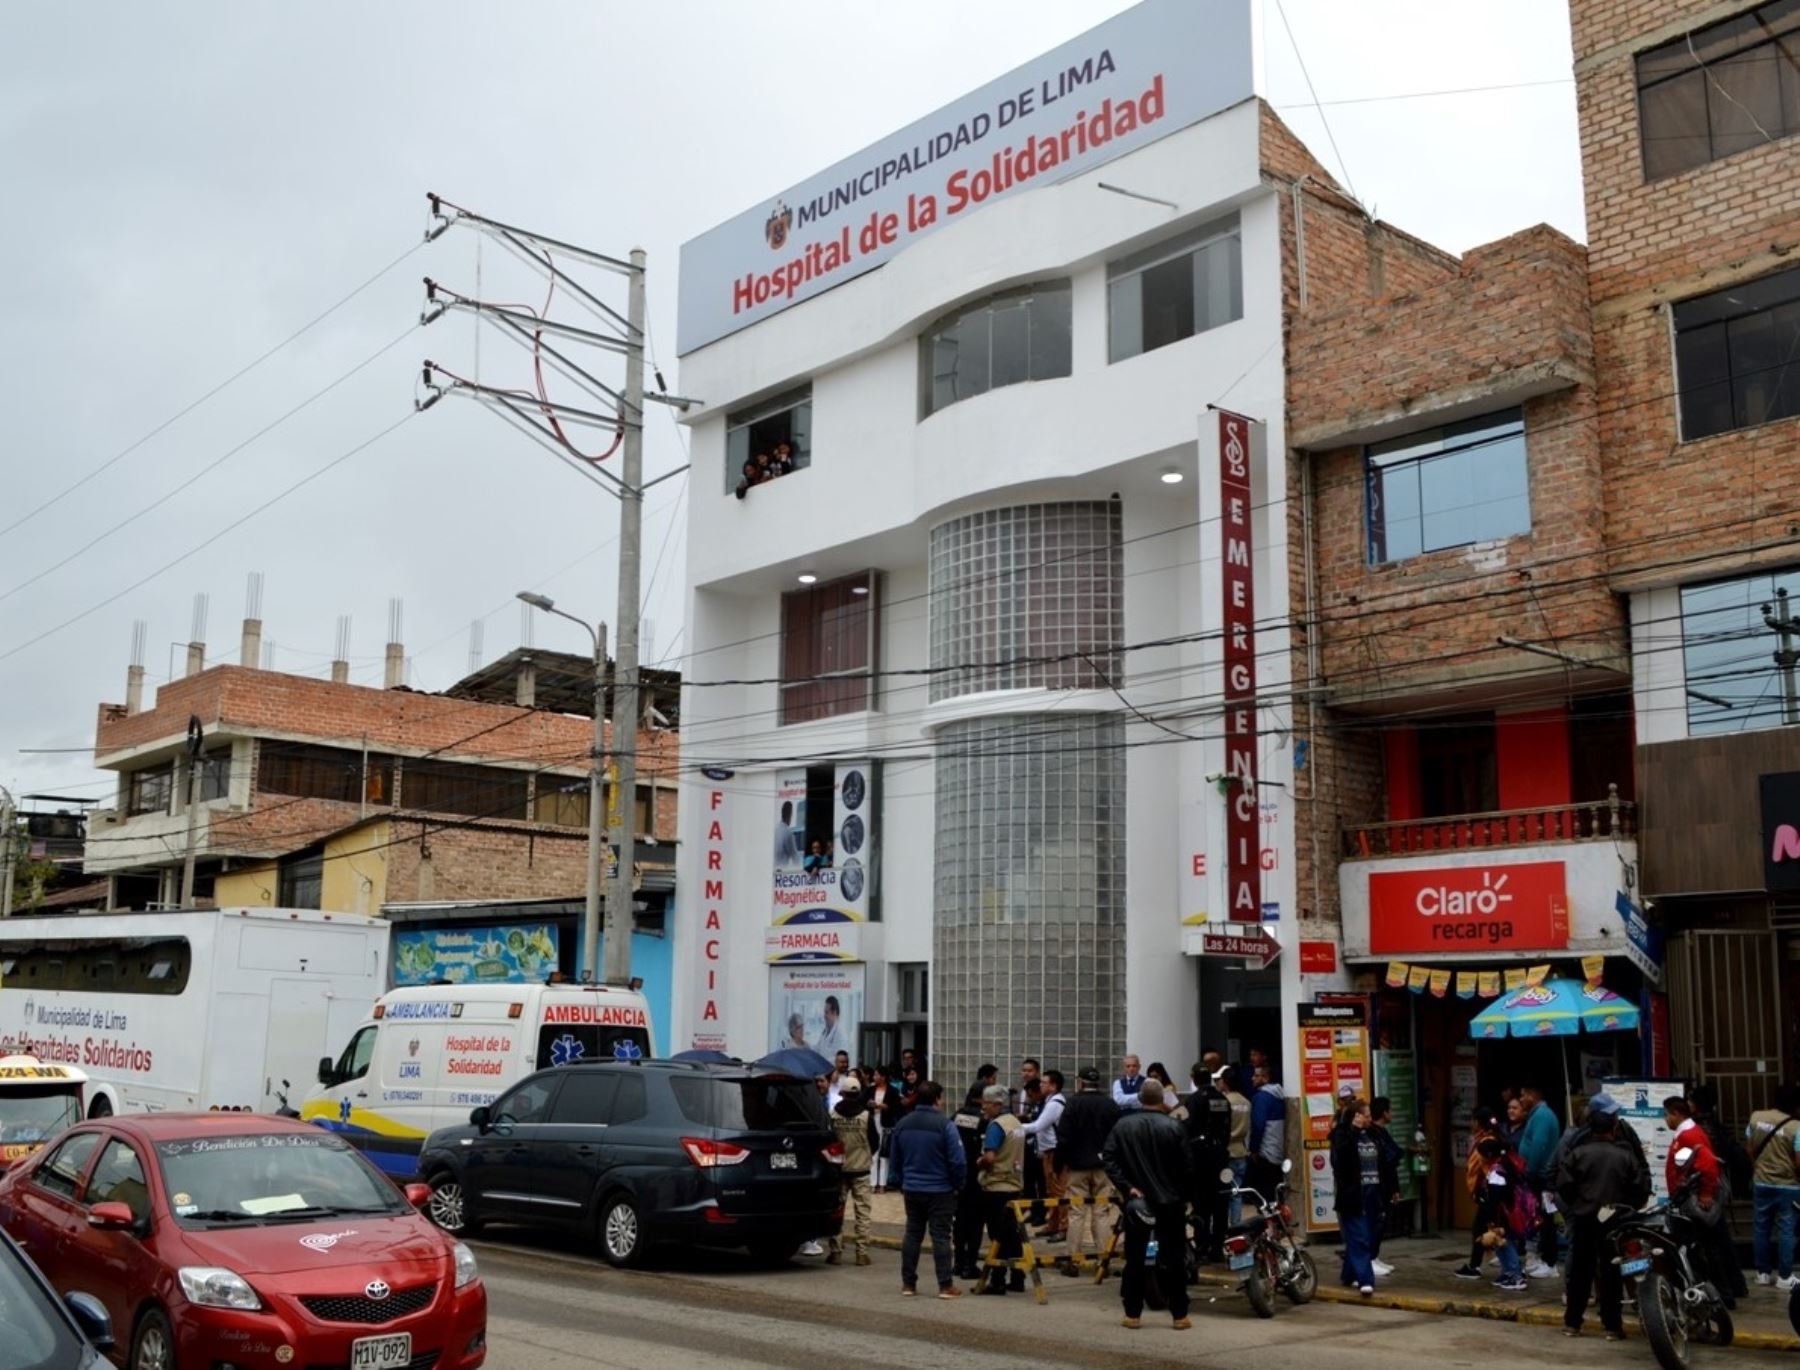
(1136, 1150)
(765, 467)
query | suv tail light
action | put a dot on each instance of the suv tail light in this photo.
(706, 1153)
(833, 1153)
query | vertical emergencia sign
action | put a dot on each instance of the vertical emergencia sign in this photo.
(1243, 841)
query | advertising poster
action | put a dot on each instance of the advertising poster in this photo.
(1321, 1189)
(501, 954)
(1640, 1105)
(824, 847)
(815, 1006)
(1333, 1053)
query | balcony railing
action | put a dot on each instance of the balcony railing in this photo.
(1595, 820)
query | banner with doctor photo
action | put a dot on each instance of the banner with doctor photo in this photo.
(816, 1006)
(824, 862)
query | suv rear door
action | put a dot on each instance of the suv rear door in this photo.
(570, 1149)
(791, 1166)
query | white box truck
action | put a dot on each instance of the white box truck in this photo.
(196, 1009)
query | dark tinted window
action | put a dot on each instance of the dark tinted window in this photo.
(693, 1096)
(586, 1097)
(38, 1334)
(119, 1178)
(568, 1044)
(631, 1102)
(1721, 89)
(62, 1172)
(529, 1103)
(1734, 355)
(766, 1105)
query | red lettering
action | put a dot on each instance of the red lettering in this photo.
(715, 861)
(712, 920)
(712, 949)
(711, 1013)
(715, 889)
(715, 799)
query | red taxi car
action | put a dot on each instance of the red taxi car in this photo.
(231, 1241)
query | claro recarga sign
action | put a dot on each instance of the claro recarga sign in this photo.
(1158, 67)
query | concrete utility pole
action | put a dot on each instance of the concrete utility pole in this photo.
(616, 413)
(1780, 620)
(626, 709)
(194, 738)
(9, 849)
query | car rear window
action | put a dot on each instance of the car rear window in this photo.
(748, 1105)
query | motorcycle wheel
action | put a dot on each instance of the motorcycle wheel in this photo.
(1259, 1282)
(1665, 1326)
(1304, 1282)
(1718, 1330)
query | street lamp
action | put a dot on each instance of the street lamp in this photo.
(590, 930)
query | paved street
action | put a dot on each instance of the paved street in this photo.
(552, 1307)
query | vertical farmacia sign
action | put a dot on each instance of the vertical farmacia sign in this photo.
(1158, 67)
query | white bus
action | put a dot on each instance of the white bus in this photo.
(196, 1009)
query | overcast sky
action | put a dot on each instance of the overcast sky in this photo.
(188, 184)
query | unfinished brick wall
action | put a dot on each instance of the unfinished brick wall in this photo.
(1731, 498)
(483, 861)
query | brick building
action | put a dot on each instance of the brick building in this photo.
(322, 794)
(1688, 112)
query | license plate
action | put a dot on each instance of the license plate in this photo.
(1636, 1267)
(382, 1353)
(1243, 1261)
(783, 1160)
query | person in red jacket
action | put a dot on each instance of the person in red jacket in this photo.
(1703, 1177)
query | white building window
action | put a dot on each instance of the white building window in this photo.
(768, 441)
(1174, 290)
(1020, 335)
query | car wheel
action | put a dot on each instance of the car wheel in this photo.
(621, 1232)
(153, 1344)
(102, 1107)
(448, 1206)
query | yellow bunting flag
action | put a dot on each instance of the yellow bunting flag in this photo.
(1490, 983)
(1417, 978)
(1465, 984)
(1396, 975)
(1440, 983)
(1537, 975)
(1515, 979)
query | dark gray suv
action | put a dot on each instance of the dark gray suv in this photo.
(640, 1152)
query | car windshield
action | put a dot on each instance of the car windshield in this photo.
(270, 1177)
(33, 1331)
(37, 1114)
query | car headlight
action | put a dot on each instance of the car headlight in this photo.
(466, 1272)
(212, 1286)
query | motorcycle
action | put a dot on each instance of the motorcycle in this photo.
(1262, 1251)
(1660, 1255)
(283, 1109)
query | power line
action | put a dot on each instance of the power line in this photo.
(1317, 103)
(209, 468)
(182, 413)
(1332, 137)
(201, 546)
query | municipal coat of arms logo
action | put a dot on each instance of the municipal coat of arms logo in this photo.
(781, 219)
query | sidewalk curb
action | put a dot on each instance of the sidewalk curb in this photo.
(1447, 1306)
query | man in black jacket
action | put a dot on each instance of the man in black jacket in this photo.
(1146, 1159)
(1605, 1167)
(1088, 1118)
(1209, 1152)
(969, 1127)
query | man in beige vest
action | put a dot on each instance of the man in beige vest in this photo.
(851, 1121)
(1002, 1178)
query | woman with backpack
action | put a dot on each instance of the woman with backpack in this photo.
(1507, 1210)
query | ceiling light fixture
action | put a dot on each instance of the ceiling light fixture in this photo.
(807, 578)
(1171, 476)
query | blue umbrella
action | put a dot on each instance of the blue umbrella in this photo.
(801, 1062)
(1556, 1008)
(710, 1058)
